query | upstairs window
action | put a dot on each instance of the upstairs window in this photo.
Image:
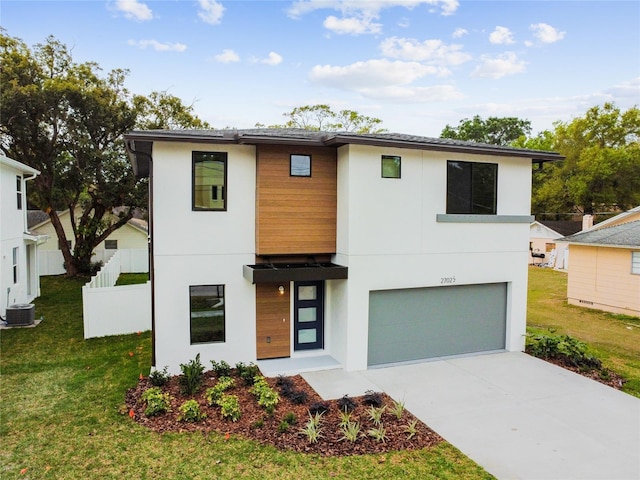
(390, 166)
(300, 165)
(19, 191)
(472, 188)
(111, 244)
(209, 181)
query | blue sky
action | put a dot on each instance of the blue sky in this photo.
(416, 64)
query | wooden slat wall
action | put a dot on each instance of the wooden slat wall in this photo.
(271, 309)
(295, 215)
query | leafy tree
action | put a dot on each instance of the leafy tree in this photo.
(602, 166)
(322, 118)
(159, 110)
(493, 130)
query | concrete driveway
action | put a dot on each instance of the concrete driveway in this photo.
(517, 416)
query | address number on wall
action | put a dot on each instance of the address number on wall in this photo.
(447, 280)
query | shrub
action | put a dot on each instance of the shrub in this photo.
(411, 429)
(158, 378)
(247, 372)
(346, 404)
(157, 402)
(222, 368)
(298, 397)
(398, 409)
(214, 393)
(379, 433)
(190, 412)
(267, 397)
(375, 414)
(283, 426)
(287, 390)
(345, 417)
(562, 347)
(372, 398)
(313, 429)
(350, 431)
(319, 408)
(291, 418)
(192, 375)
(230, 407)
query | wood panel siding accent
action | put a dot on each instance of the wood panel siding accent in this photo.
(272, 321)
(295, 215)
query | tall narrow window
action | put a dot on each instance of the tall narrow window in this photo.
(635, 263)
(209, 181)
(390, 166)
(472, 188)
(15, 264)
(19, 191)
(300, 165)
(207, 313)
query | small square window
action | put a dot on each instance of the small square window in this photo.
(207, 322)
(635, 263)
(300, 165)
(111, 244)
(390, 166)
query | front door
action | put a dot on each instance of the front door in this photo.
(308, 325)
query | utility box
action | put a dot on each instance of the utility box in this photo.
(21, 314)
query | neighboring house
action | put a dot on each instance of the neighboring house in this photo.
(369, 249)
(543, 246)
(605, 265)
(131, 238)
(19, 248)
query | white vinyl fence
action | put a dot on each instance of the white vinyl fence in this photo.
(111, 310)
(132, 260)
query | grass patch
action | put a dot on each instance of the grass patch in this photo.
(132, 278)
(62, 416)
(615, 339)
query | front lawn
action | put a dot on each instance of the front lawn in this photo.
(615, 339)
(63, 416)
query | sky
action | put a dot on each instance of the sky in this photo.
(416, 64)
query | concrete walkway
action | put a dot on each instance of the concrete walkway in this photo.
(517, 416)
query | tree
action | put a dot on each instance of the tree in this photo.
(66, 119)
(321, 118)
(493, 130)
(602, 166)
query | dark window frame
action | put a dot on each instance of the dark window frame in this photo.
(219, 288)
(15, 261)
(466, 198)
(194, 161)
(291, 173)
(111, 242)
(19, 191)
(391, 157)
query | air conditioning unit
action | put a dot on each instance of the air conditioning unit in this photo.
(20, 314)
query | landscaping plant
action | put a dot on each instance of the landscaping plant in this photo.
(190, 412)
(192, 375)
(157, 402)
(158, 378)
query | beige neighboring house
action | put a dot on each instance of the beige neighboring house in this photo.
(544, 248)
(131, 240)
(605, 265)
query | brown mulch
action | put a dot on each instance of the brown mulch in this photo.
(606, 377)
(256, 424)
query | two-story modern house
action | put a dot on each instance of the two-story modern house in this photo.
(19, 278)
(368, 249)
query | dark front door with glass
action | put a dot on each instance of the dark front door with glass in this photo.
(308, 315)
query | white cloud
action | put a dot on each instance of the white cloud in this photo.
(546, 33)
(460, 32)
(272, 59)
(352, 25)
(499, 66)
(371, 74)
(210, 11)
(227, 56)
(433, 51)
(134, 10)
(403, 94)
(158, 46)
(501, 36)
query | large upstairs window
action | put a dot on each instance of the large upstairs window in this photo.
(209, 181)
(472, 188)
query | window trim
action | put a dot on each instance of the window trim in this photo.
(224, 314)
(110, 242)
(224, 161)
(309, 156)
(19, 191)
(15, 260)
(495, 189)
(389, 157)
(635, 263)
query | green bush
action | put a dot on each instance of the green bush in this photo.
(562, 347)
(190, 412)
(157, 402)
(158, 378)
(214, 393)
(247, 372)
(192, 375)
(230, 407)
(267, 397)
(222, 368)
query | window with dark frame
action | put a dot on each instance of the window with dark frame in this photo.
(15, 264)
(111, 244)
(207, 314)
(300, 165)
(209, 181)
(391, 166)
(19, 191)
(472, 188)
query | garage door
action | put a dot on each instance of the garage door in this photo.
(421, 323)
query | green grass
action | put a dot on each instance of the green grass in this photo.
(615, 339)
(62, 416)
(132, 278)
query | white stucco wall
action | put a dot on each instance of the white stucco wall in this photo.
(202, 248)
(389, 238)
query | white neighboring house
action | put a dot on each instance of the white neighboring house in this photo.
(362, 249)
(544, 239)
(19, 248)
(131, 239)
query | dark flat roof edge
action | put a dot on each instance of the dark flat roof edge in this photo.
(331, 139)
(263, 274)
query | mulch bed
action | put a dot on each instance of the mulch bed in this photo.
(256, 424)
